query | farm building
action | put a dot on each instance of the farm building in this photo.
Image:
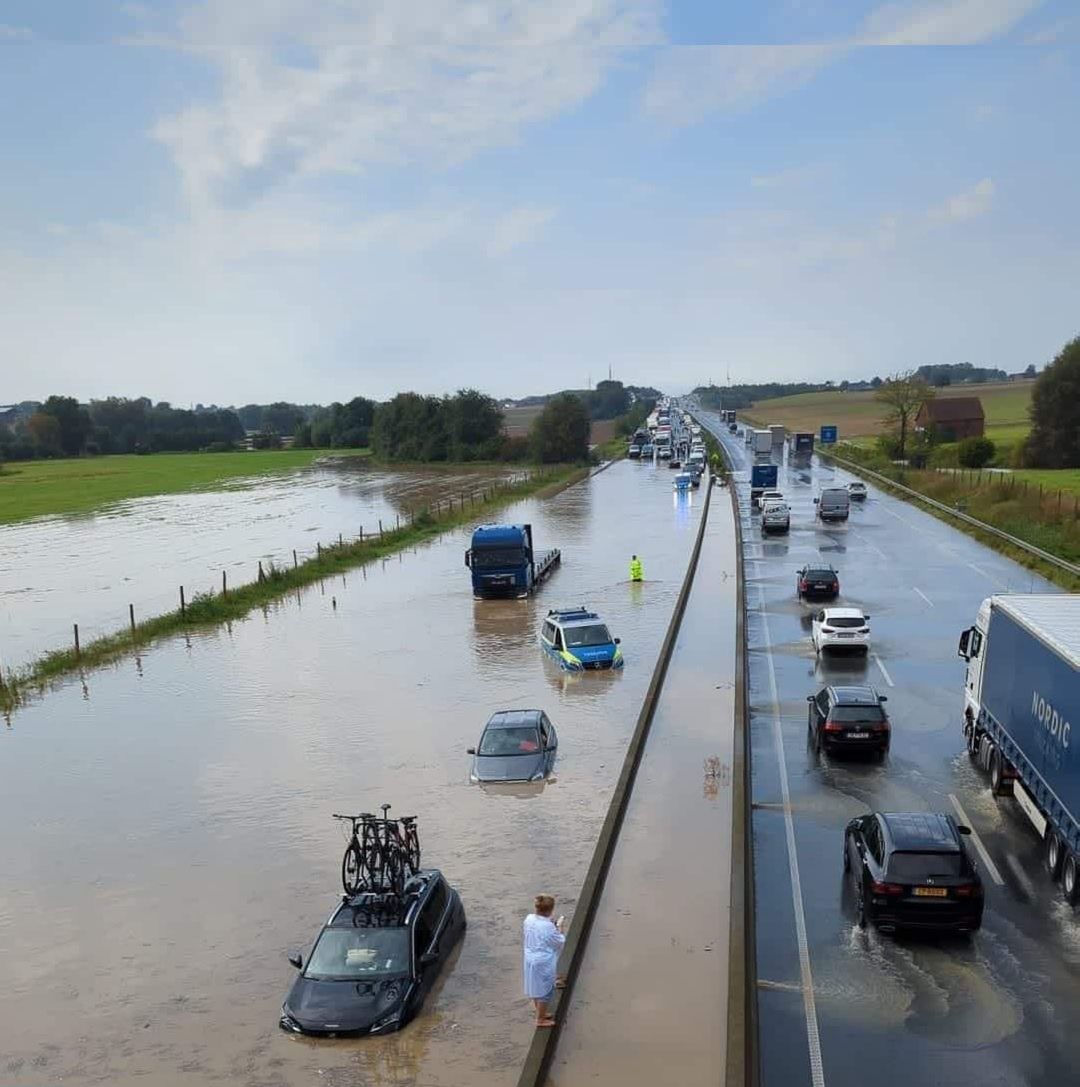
(952, 417)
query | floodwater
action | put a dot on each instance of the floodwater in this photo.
(167, 832)
(650, 1002)
(87, 569)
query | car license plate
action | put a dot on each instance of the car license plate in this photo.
(858, 735)
(931, 892)
(846, 635)
(821, 585)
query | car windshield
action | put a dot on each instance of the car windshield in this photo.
(597, 634)
(840, 621)
(906, 867)
(522, 740)
(868, 714)
(345, 953)
(498, 556)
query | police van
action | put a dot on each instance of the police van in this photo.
(579, 640)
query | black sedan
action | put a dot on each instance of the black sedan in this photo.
(912, 871)
(849, 719)
(375, 960)
(516, 745)
(816, 582)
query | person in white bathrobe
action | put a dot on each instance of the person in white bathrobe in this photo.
(544, 940)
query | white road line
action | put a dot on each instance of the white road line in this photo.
(813, 1036)
(985, 574)
(888, 678)
(923, 595)
(992, 868)
(1020, 874)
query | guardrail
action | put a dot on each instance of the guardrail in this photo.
(542, 1050)
(959, 515)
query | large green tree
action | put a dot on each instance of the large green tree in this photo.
(474, 422)
(74, 420)
(1054, 441)
(904, 394)
(560, 433)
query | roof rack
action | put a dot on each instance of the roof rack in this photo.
(580, 612)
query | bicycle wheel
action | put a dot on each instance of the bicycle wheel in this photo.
(394, 873)
(352, 868)
(412, 848)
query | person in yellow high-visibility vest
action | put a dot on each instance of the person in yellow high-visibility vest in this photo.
(637, 573)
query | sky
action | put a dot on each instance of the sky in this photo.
(308, 200)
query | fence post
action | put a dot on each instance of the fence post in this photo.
(318, 549)
(397, 519)
(380, 528)
(76, 626)
(131, 616)
(339, 540)
(294, 563)
(261, 575)
(361, 533)
(225, 584)
(183, 603)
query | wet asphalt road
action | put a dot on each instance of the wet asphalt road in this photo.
(998, 1009)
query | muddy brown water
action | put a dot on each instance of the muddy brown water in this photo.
(87, 569)
(167, 833)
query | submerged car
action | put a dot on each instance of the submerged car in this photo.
(580, 640)
(683, 481)
(841, 628)
(516, 745)
(912, 870)
(375, 960)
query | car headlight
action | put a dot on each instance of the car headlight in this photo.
(388, 1022)
(287, 1022)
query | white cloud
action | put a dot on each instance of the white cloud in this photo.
(966, 205)
(1048, 35)
(690, 82)
(313, 89)
(952, 22)
(517, 228)
(15, 33)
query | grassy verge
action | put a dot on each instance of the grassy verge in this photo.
(1006, 502)
(211, 609)
(612, 449)
(83, 484)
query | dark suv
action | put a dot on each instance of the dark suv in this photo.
(375, 960)
(817, 583)
(912, 870)
(850, 719)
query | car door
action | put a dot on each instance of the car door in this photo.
(424, 943)
(815, 630)
(819, 712)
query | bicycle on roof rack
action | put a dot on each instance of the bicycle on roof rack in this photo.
(382, 853)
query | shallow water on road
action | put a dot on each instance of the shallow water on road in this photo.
(167, 821)
(55, 571)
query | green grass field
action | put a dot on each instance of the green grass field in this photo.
(1052, 479)
(42, 488)
(858, 414)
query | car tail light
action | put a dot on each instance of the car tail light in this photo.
(803, 585)
(881, 726)
(968, 890)
(864, 630)
(886, 888)
(827, 630)
(833, 726)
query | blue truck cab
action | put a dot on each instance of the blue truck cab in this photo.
(763, 477)
(580, 641)
(504, 563)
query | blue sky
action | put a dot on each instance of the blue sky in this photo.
(304, 200)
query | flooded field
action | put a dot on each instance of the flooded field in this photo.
(167, 822)
(87, 569)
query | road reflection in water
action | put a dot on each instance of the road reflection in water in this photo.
(167, 833)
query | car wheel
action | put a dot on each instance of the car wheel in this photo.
(1052, 852)
(1070, 879)
(860, 905)
(847, 856)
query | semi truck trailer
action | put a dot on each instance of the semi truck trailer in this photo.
(1021, 702)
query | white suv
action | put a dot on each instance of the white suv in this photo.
(841, 628)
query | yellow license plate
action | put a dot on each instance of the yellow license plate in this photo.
(931, 892)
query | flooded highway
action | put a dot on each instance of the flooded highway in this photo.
(651, 996)
(996, 1009)
(87, 569)
(167, 821)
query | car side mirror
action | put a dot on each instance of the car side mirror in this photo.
(816, 501)
(866, 618)
(470, 751)
(468, 559)
(296, 959)
(809, 698)
(883, 698)
(428, 958)
(618, 641)
(963, 829)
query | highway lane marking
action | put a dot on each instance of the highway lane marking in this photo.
(813, 1035)
(1020, 874)
(780, 986)
(923, 595)
(888, 678)
(992, 868)
(871, 545)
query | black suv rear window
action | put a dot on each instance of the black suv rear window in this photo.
(857, 713)
(813, 573)
(906, 867)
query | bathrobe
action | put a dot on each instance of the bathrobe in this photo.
(543, 942)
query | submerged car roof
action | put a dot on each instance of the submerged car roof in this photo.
(366, 910)
(926, 832)
(514, 719)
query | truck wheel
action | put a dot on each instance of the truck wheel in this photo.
(998, 785)
(1052, 854)
(972, 740)
(1070, 879)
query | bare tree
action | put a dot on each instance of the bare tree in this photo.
(904, 394)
